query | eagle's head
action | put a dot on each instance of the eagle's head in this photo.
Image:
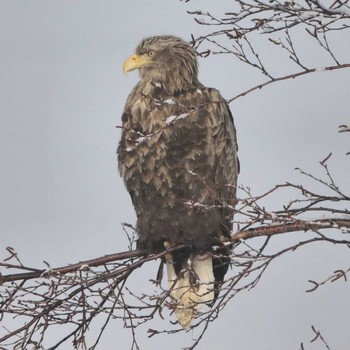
(167, 59)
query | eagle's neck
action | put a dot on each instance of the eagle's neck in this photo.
(172, 80)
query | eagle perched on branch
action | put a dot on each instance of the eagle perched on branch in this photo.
(178, 158)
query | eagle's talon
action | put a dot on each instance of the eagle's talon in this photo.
(167, 245)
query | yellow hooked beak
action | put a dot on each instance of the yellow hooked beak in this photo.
(135, 62)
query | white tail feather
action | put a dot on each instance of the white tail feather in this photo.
(191, 296)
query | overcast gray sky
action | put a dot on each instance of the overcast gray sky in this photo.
(62, 93)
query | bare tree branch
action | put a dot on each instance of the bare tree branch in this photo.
(287, 77)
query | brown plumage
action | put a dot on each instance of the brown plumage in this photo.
(178, 158)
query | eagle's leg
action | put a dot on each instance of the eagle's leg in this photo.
(168, 258)
(167, 246)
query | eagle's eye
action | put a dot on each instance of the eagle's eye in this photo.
(150, 53)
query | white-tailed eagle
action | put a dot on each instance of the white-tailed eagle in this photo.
(178, 158)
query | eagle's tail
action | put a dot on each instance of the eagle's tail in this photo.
(192, 287)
